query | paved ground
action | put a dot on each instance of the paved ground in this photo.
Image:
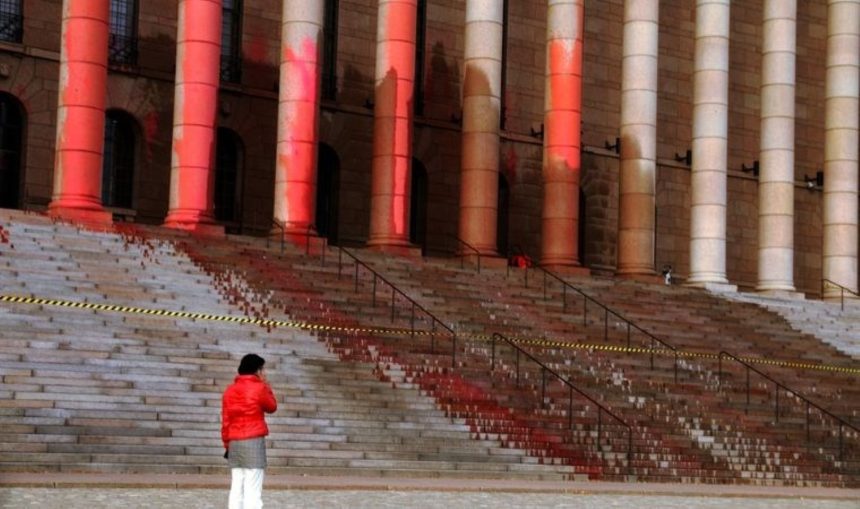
(99, 498)
(66, 491)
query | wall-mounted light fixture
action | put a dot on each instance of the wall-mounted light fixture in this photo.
(754, 168)
(816, 182)
(686, 158)
(613, 146)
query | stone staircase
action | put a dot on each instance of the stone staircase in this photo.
(89, 390)
(827, 321)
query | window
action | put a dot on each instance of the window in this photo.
(504, 84)
(11, 21)
(231, 41)
(119, 158)
(11, 136)
(328, 192)
(418, 205)
(122, 41)
(329, 64)
(228, 166)
(420, 41)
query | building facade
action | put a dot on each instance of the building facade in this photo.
(716, 137)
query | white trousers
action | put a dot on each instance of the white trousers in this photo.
(246, 490)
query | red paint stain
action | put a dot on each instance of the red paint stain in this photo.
(150, 131)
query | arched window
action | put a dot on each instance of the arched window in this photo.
(502, 215)
(329, 64)
(418, 205)
(231, 41)
(420, 42)
(228, 169)
(122, 40)
(328, 192)
(119, 160)
(11, 21)
(11, 136)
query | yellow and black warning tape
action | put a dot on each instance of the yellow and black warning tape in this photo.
(398, 331)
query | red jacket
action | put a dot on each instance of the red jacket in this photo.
(242, 408)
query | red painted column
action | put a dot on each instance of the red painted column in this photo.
(561, 165)
(298, 114)
(81, 113)
(392, 129)
(198, 58)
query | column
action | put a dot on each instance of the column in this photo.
(562, 119)
(776, 177)
(840, 144)
(198, 61)
(710, 151)
(392, 126)
(638, 176)
(479, 179)
(298, 114)
(81, 113)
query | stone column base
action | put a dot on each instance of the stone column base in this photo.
(93, 218)
(782, 294)
(714, 287)
(203, 229)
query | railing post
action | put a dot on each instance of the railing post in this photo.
(356, 276)
(748, 390)
(720, 370)
(339, 261)
(373, 300)
(433, 336)
(629, 450)
(676, 366)
(392, 304)
(570, 408)
(599, 426)
(651, 350)
(842, 296)
(777, 403)
(628, 334)
(564, 298)
(454, 351)
(840, 441)
(606, 324)
(807, 421)
(544, 285)
(518, 368)
(543, 387)
(412, 319)
(493, 354)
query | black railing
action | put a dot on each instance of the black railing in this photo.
(629, 325)
(544, 369)
(415, 307)
(825, 283)
(809, 404)
(283, 234)
(122, 49)
(469, 247)
(11, 27)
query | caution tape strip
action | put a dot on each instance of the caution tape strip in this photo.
(395, 331)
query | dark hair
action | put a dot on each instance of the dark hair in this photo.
(250, 364)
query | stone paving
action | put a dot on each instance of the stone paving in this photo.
(98, 498)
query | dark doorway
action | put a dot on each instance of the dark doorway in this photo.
(328, 192)
(503, 215)
(11, 136)
(418, 205)
(119, 158)
(228, 169)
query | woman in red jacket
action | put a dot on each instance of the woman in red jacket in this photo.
(243, 430)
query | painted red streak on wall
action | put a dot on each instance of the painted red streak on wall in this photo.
(297, 157)
(563, 119)
(196, 100)
(150, 131)
(80, 126)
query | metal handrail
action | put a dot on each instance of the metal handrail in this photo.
(601, 409)
(842, 422)
(277, 224)
(842, 290)
(470, 247)
(606, 312)
(397, 291)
